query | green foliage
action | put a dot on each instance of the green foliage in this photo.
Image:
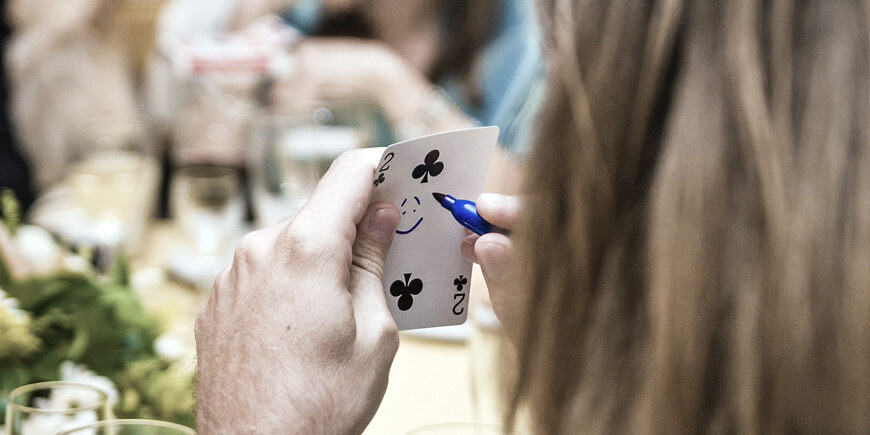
(5, 275)
(11, 209)
(78, 319)
(97, 322)
(155, 388)
(18, 342)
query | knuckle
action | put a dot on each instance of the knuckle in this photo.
(304, 241)
(249, 250)
(339, 335)
(298, 241)
(220, 280)
(348, 159)
(388, 334)
(379, 335)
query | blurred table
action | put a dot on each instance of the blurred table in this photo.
(430, 381)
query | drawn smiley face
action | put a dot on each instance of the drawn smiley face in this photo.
(410, 215)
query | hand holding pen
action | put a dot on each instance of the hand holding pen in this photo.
(494, 252)
(465, 213)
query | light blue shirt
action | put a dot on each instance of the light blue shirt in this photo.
(512, 77)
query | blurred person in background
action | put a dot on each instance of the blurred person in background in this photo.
(693, 255)
(430, 65)
(68, 71)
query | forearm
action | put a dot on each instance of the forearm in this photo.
(228, 406)
(414, 106)
(352, 68)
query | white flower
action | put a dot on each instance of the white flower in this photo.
(169, 347)
(53, 423)
(79, 373)
(75, 263)
(38, 247)
(10, 305)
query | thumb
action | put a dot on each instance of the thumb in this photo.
(373, 238)
(495, 253)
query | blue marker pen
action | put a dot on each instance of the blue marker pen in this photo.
(465, 212)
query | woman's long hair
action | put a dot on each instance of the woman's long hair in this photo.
(697, 251)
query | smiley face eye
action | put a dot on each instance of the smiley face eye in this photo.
(414, 214)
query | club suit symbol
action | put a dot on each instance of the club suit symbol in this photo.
(406, 291)
(430, 167)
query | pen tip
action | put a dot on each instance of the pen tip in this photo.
(438, 196)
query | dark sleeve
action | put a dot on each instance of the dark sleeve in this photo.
(14, 170)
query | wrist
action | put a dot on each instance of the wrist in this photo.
(399, 89)
(413, 105)
(431, 112)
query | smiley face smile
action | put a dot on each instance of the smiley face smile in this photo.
(414, 211)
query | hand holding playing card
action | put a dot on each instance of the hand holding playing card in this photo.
(494, 252)
(296, 337)
(426, 280)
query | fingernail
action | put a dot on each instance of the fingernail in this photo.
(383, 225)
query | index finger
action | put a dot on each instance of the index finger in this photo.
(499, 210)
(342, 195)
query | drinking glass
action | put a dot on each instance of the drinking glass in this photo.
(130, 427)
(112, 176)
(208, 209)
(292, 147)
(49, 407)
(208, 206)
(106, 185)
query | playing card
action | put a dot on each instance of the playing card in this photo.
(426, 279)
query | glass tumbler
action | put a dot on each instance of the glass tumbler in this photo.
(130, 427)
(289, 150)
(49, 407)
(208, 206)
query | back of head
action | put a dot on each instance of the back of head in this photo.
(699, 252)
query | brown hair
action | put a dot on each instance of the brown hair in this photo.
(697, 257)
(467, 26)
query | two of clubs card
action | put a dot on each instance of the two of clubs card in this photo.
(426, 279)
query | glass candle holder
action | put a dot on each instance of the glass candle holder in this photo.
(130, 427)
(49, 407)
